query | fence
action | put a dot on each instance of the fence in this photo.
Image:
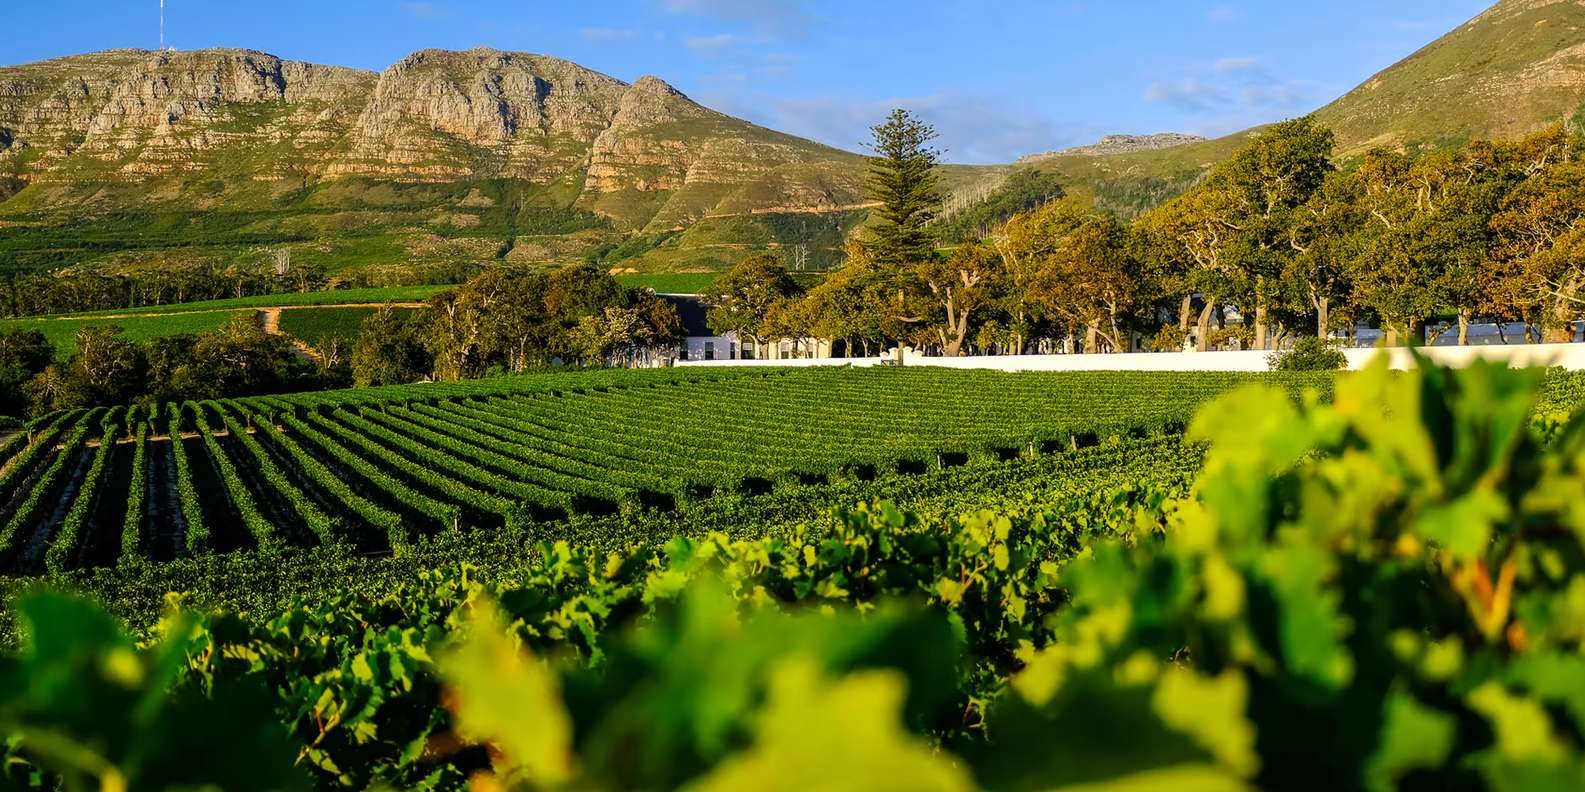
(1569, 356)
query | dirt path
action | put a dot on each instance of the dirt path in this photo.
(272, 325)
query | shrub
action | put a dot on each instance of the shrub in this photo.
(1308, 354)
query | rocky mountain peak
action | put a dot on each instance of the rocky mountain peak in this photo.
(241, 118)
(1123, 144)
(655, 85)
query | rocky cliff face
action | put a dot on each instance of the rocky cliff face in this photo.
(631, 152)
(1124, 144)
(130, 112)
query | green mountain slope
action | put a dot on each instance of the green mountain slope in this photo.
(131, 159)
(1514, 69)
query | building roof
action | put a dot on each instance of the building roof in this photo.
(692, 312)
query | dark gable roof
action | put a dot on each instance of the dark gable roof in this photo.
(692, 313)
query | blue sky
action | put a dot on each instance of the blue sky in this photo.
(998, 79)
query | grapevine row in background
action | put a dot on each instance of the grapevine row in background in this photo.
(345, 470)
(337, 469)
(1081, 483)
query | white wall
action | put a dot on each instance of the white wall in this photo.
(1570, 356)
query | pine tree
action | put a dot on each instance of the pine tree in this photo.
(902, 178)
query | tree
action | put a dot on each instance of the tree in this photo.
(959, 288)
(1540, 229)
(578, 291)
(1423, 238)
(23, 355)
(245, 359)
(390, 350)
(1077, 267)
(1194, 236)
(741, 299)
(1388, 280)
(627, 334)
(51, 389)
(105, 368)
(841, 306)
(1267, 184)
(1026, 247)
(1325, 234)
(1236, 228)
(518, 330)
(902, 179)
(176, 374)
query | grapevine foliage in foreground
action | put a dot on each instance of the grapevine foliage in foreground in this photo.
(1385, 592)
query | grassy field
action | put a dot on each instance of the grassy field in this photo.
(62, 330)
(336, 297)
(670, 282)
(316, 325)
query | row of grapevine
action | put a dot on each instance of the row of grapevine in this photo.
(373, 469)
(197, 535)
(137, 493)
(66, 541)
(1301, 601)
(26, 516)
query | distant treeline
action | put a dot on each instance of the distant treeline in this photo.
(1283, 240)
(498, 322)
(71, 291)
(107, 368)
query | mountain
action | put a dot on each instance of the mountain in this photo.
(1514, 69)
(1123, 144)
(129, 157)
(1510, 71)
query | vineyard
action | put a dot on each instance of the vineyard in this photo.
(1271, 592)
(374, 470)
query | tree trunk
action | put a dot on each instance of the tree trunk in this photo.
(1260, 313)
(1558, 335)
(1203, 328)
(1323, 311)
(1463, 327)
(1561, 329)
(1092, 332)
(1185, 309)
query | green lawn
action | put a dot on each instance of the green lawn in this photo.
(670, 282)
(61, 331)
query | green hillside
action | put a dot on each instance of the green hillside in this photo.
(412, 175)
(1514, 69)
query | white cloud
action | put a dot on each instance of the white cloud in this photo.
(776, 65)
(1232, 65)
(973, 128)
(1233, 93)
(1224, 14)
(711, 44)
(1189, 94)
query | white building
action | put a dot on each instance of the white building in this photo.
(702, 344)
